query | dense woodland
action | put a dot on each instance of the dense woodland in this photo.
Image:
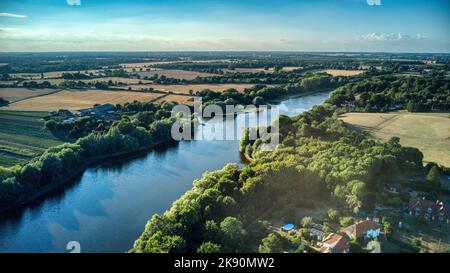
(384, 93)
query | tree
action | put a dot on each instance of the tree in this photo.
(258, 101)
(232, 231)
(160, 243)
(271, 244)
(307, 221)
(433, 177)
(3, 102)
(333, 214)
(208, 247)
(387, 227)
(346, 221)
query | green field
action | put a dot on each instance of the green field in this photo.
(22, 137)
(430, 132)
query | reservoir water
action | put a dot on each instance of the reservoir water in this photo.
(107, 207)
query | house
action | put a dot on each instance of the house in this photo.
(317, 232)
(366, 229)
(429, 210)
(334, 243)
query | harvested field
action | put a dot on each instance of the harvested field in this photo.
(184, 89)
(17, 94)
(78, 99)
(50, 75)
(430, 132)
(105, 79)
(180, 99)
(174, 73)
(256, 70)
(339, 72)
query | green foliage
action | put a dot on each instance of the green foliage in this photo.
(208, 247)
(333, 215)
(385, 93)
(271, 244)
(232, 231)
(433, 177)
(307, 221)
(160, 243)
(346, 221)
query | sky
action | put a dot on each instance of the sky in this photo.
(223, 25)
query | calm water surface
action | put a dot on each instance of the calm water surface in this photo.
(106, 208)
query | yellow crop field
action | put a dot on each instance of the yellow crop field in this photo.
(76, 99)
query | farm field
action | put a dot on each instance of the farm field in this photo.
(78, 99)
(22, 137)
(148, 64)
(17, 94)
(50, 75)
(256, 70)
(430, 132)
(339, 72)
(105, 79)
(174, 73)
(184, 89)
(180, 99)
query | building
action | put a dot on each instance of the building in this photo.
(317, 232)
(367, 229)
(98, 111)
(429, 210)
(334, 243)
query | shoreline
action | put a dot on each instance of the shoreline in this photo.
(79, 171)
(57, 184)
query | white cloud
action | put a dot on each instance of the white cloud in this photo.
(384, 37)
(5, 14)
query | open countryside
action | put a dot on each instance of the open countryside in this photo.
(78, 99)
(428, 132)
(354, 159)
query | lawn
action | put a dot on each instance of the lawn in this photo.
(430, 132)
(22, 137)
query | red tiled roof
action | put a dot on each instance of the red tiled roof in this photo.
(359, 228)
(337, 242)
(422, 205)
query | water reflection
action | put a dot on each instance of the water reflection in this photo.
(106, 208)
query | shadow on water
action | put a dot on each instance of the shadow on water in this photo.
(107, 206)
(13, 218)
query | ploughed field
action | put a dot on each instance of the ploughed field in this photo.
(79, 99)
(23, 137)
(430, 132)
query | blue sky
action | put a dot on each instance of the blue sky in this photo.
(153, 25)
